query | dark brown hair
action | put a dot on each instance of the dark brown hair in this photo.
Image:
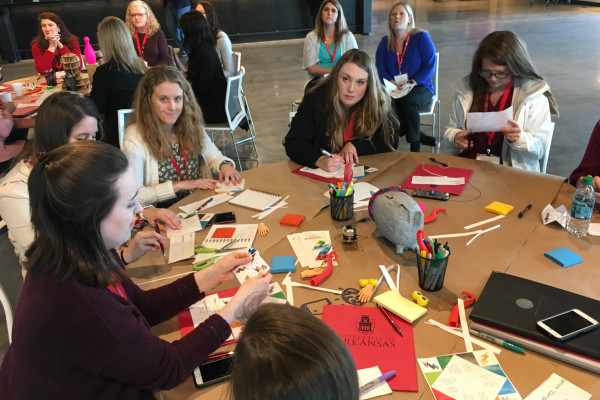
(66, 37)
(211, 17)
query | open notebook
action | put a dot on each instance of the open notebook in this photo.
(255, 199)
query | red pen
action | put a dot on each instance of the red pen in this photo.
(207, 202)
(162, 246)
(229, 353)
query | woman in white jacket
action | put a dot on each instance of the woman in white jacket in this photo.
(502, 76)
(167, 146)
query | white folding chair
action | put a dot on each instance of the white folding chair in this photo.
(237, 61)
(430, 109)
(544, 160)
(123, 121)
(235, 108)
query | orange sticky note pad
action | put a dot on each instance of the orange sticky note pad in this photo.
(292, 219)
(223, 233)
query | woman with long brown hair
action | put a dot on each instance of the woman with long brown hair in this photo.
(52, 41)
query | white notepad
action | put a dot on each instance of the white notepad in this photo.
(255, 199)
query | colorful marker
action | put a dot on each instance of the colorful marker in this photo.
(369, 385)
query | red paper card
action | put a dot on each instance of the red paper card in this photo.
(223, 233)
(292, 219)
(372, 341)
(439, 170)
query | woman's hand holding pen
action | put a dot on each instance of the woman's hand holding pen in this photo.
(349, 154)
(461, 141)
(512, 132)
(194, 184)
(163, 216)
(141, 243)
(330, 164)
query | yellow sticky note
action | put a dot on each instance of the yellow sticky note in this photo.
(402, 307)
(499, 208)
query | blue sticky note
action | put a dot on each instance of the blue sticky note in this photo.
(564, 257)
(283, 264)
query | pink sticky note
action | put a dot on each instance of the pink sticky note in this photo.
(422, 206)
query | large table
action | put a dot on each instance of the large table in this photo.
(517, 247)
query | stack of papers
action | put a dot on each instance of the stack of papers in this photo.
(311, 248)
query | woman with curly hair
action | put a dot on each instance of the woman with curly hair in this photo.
(167, 146)
(52, 41)
(149, 41)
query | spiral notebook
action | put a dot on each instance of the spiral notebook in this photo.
(256, 199)
(221, 235)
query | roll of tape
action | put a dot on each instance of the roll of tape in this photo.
(420, 299)
(416, 295)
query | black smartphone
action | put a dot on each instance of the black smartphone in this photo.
(567, 325)
(431, 194)
(213, 371)
(224, 218)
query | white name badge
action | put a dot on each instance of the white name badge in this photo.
(401, 79)
(491, 158)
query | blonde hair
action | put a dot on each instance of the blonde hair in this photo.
(371, 112)
(412, 29)
(115, 42)
(152, 26)
(188, 128)
(341, 28)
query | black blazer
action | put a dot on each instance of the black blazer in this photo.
(308, 133)
(205, 74)
(113, 89)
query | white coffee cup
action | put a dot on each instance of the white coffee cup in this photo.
(18, 88)
(6, 96)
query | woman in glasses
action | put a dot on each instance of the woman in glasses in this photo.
(149, 41)
(502, 75)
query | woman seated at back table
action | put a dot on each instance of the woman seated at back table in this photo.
(204, 70)
(223, 44)
(347, 114)
(115, 81)
(502, 75)
(324, 45)
(167, 146)
(82, 324)
(409, 52)
(52, 41)
(287, 353)
(590, 163)
(148, 39)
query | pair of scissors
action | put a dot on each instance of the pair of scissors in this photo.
(200, 249)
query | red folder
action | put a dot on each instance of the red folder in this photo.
(439, 170)
(373, 341)
(315, 176)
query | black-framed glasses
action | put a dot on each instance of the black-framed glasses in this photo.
(138, 15)
(498, 75)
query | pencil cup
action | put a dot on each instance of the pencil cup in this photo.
(342, 207)
(431, 272)
(50, 76)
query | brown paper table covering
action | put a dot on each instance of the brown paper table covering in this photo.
(516, 247)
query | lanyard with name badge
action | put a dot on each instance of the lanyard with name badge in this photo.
(143, 46)
(185, 161)
(490, 135)
(334, 50)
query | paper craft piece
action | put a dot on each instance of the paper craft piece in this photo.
(220, 235)
(292, 219)
(498, 208)
(358, 170)
(488, 121)
(255, 199)
(558, 388)
(458, 332)
(594, 229)
(559, 215)
(393, 89)
(467, 376)
(361, 327)
(439, 171)
(404, 308)
(269, 210)
(188, 225)
(564, 257)
(436, 180)
(181, 247)
(252, 269)
(231, 188)
(216, 200)
(365, 376)
(311, 248)
(205, 219)
(283, 264)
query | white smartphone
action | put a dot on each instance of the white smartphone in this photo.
(567, 325)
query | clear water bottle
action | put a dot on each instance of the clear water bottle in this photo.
(582, 207)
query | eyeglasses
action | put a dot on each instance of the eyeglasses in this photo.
(498, 75)
(137, 15)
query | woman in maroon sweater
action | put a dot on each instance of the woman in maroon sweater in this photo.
(82, 327)
(590, 163)
(52, 41)
(148, 39)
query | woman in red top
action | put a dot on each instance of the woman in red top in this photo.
(53, 40)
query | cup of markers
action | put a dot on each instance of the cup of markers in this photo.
(341, 200)
(432, 261)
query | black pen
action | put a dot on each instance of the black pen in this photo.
(439, 162)
(387, 316)
(525, 209)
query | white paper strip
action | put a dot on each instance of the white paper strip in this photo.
(456, 331)
(482, 232)
(451, 235)
(464, 326)
(485, 221)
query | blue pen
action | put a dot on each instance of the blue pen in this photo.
(439, 162)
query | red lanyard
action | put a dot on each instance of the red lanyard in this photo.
(118, 289)
(349, 130)
(183, 178)
(334, 50)
(507, 90)
(399, 56)
(141, 49)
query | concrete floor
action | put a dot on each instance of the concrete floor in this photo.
(563, 41)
